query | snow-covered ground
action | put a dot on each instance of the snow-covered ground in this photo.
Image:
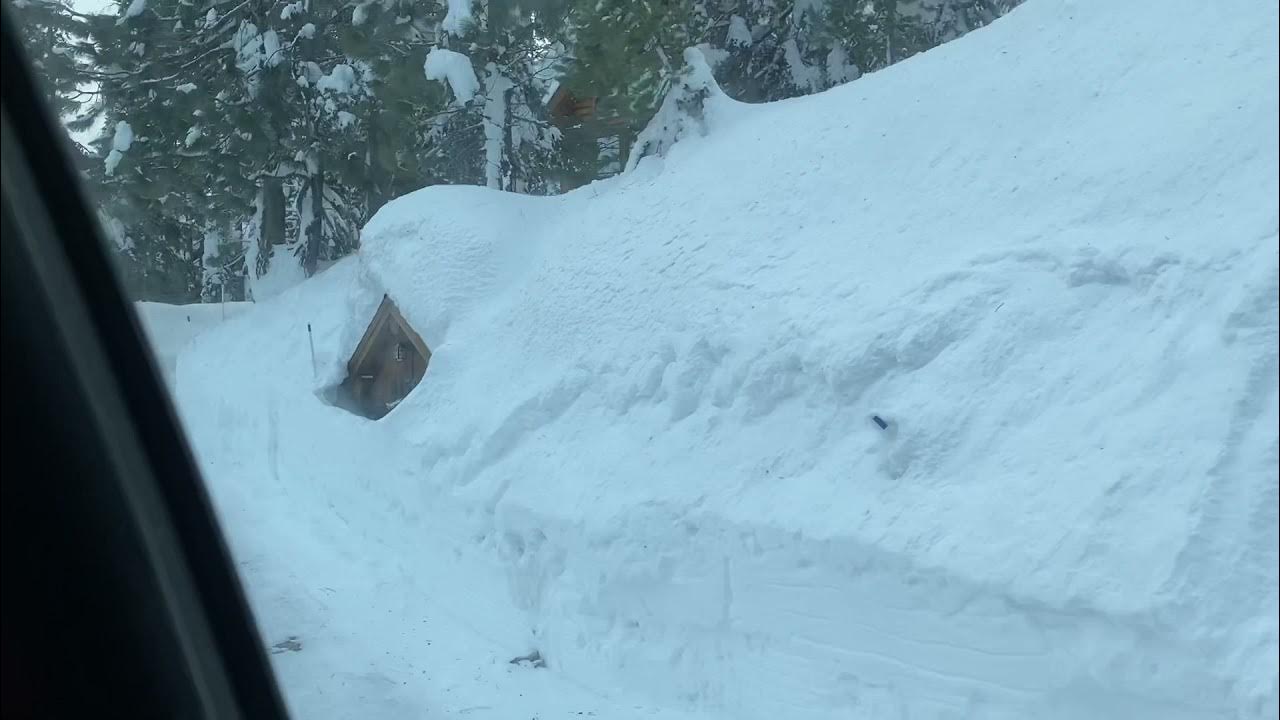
(1045, 253)
(171, 327)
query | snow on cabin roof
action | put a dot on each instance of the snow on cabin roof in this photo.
(552, 88)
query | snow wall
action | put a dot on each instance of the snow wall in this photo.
(169, 328)
(1044, 254)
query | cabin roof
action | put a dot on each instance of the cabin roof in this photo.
(387, 313)
(552, 90)
(558, 97)
(564, 105)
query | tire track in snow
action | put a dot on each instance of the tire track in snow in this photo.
(938, 641)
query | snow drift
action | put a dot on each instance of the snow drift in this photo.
(1045, 254)
(170, 328)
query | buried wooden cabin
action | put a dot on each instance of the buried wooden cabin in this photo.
(388, 363)
(590, 131)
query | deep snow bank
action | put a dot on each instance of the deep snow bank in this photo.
(1045, 252)
(170, 328)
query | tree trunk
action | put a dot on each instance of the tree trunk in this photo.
(891, 21)
(315, 228)
(511, 171)
(272, 231)
(375, 176)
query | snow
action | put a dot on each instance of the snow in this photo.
(839, 68)
(496, 86)
(308, 31)
(121, 141)
(455, 69)
(341, 80)
(193, 135)
(643, 446)
(114, 231)
(247, 42)
(457, 17)
(136, 8)
(738, 33)
(271, 48)
(284, 271)
(808, 79)
(185, 88)
(711, 55)
(209, 258)
(169, 328)
(550, 91)
(361, 13)
(683, 110)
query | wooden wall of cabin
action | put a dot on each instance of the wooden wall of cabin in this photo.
(382, 379)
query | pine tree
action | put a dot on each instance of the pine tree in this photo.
(628, 53)
(235, 107)
(392, 38)
(947, 20)
(776, 51)
(759, 50)
(55, 38)
(243, 134)
(498, 81)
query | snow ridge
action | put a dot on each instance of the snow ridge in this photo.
(1044, 254)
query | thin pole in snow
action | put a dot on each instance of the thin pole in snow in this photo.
(311, 340)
